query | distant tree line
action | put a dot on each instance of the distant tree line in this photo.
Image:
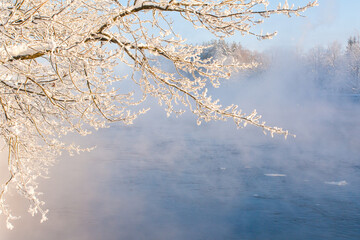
(230, 52)
(332, 68)
(221, 49)
(335, 68)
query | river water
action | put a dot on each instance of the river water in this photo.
(166, 178)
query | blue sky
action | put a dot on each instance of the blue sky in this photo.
(332, 20)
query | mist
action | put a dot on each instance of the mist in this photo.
(167, 178)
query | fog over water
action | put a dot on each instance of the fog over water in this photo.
(167, 178)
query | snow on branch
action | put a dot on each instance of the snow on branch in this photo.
(58, 62)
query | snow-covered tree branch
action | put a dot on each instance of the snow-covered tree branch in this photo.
(58, 61)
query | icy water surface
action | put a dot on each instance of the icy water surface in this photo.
(169, 179)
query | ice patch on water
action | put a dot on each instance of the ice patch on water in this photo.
(275, 175)
(340, 183)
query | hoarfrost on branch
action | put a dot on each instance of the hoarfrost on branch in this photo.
(58, 61)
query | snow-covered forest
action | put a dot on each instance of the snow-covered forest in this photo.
(332, 69)
(336, 68)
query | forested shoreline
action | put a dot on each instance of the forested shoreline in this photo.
(334, 68)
